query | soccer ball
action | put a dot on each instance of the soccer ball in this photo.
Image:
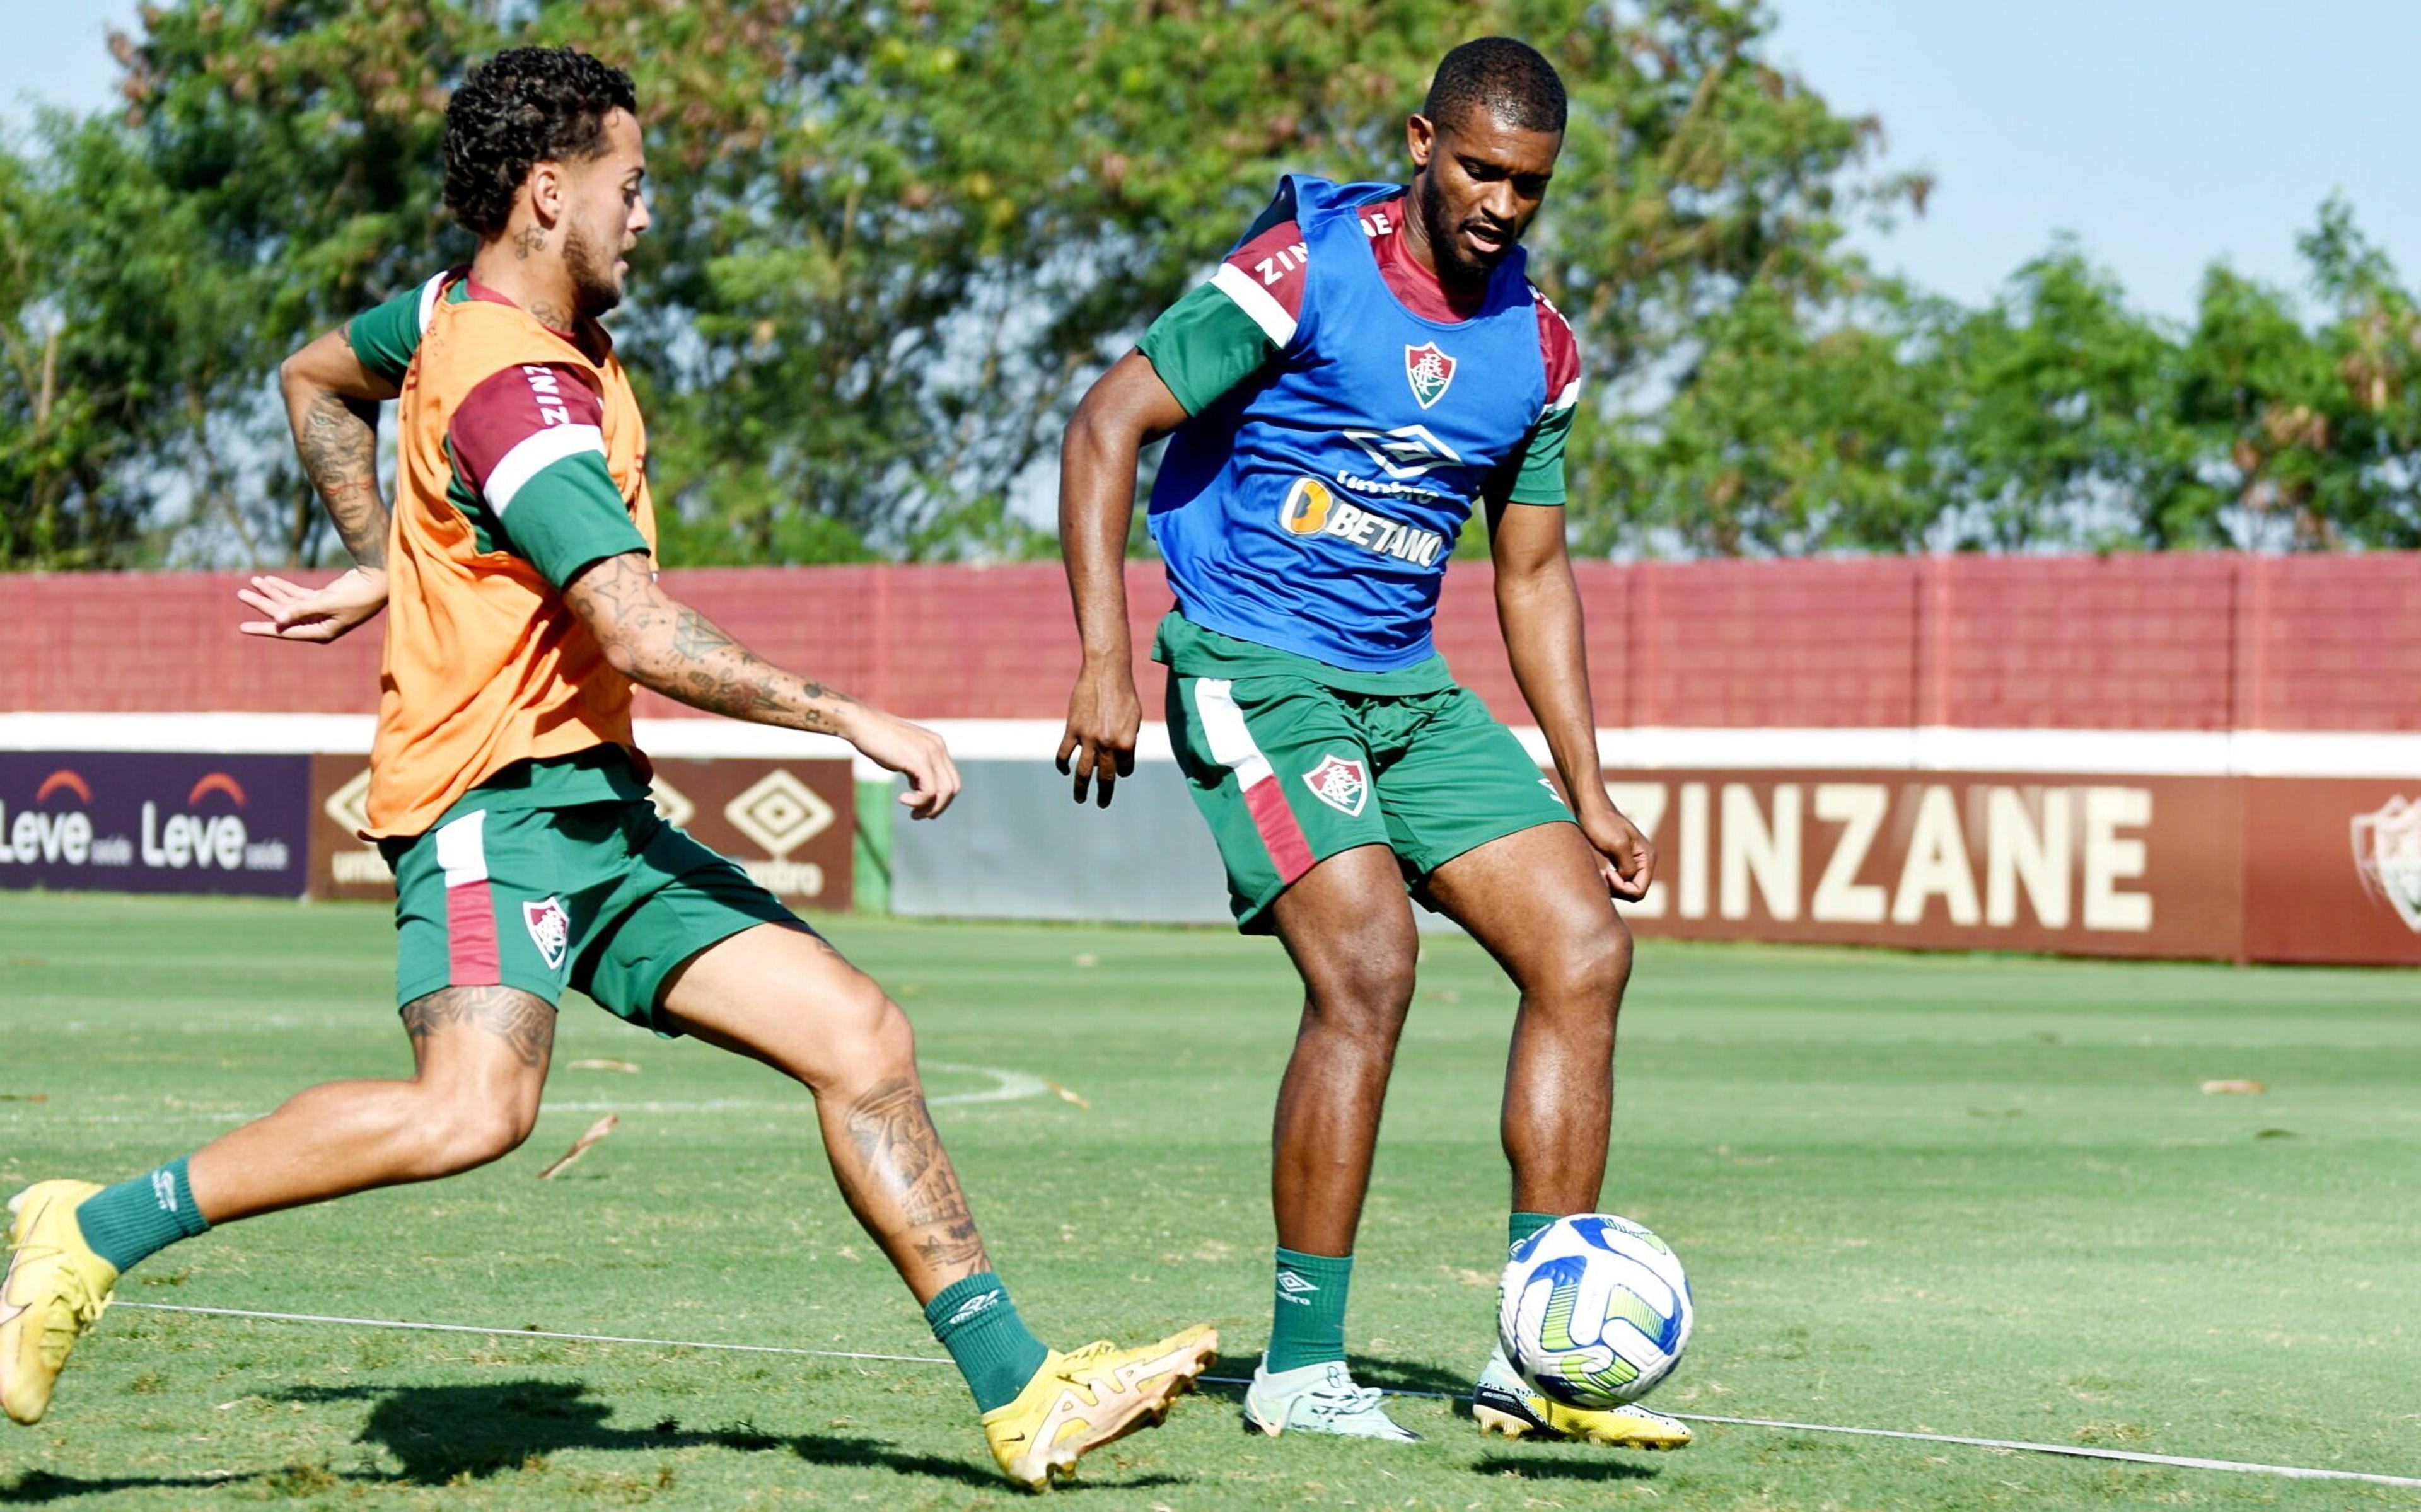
(1594, 1310)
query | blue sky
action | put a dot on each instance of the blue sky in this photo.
(2163, 132)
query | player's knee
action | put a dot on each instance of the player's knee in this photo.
(886, 1040)
(866, 1039)
(464, 1134)
(1591, 965)
(1365, 991)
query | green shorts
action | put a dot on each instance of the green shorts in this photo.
(1289, 771)
(603, 897)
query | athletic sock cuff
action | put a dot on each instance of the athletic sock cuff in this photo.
(1307, 1327)
(1522, 1226)
(974, 1319)
(135, 1220)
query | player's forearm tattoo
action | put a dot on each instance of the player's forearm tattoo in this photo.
(523, 1021)
(898, 1156)
(336, 439)
(682, 654)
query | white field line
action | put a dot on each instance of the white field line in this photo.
(2014, 1445)
(1008, 1087)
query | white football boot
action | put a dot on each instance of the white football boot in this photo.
(1319, 1398)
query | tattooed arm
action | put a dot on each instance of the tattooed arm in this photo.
(332, 401)
(658, 642)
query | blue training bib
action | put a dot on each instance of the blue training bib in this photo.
(1313, 508)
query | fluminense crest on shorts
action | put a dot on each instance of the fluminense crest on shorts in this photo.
(550, 928)
(1428, 370)
(1341, 783)
(2387, 852)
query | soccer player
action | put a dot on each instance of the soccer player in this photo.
(518, 577)
(1365, 370)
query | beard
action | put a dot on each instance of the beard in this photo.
(1455, 264)
(594, 287)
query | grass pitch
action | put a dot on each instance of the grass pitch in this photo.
(1982, 1197)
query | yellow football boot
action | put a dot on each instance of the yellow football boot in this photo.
(1083, 1400)
(55, 1290)
(1504, 1403)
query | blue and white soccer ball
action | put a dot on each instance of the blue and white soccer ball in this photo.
(1594, 1310)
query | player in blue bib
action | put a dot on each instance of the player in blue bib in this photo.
(1368, 368)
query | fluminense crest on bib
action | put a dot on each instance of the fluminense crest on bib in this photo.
(550, 928)
(1339, 783)
(2387, 852)
(1430, 371)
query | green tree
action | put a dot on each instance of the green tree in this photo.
(2058, 407)
(2311, 435)
(1785, 437)
(895, 241)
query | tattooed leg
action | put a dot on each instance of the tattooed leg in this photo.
(895, 1173)
(785, 997)
(482, 1056)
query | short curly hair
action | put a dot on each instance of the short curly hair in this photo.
(524, 105)
(1511, 79)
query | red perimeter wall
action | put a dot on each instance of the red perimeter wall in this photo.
(2186, 642)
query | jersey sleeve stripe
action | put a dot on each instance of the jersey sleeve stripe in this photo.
(533, 455)
(1255, 301)
(1569, 396)
(428, 292)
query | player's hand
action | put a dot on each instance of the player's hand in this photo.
(1103, 716)
(316, 614)
(911, 750)
(1626, 859)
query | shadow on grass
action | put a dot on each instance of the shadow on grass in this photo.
(446, 1435)
(1408, 1376)
(37, 1486)
(1533, 1466)
(442, 1434)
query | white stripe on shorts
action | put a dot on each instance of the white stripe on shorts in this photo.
(1222, 724)
(463, 850)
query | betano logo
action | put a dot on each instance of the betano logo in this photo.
(1311, 509)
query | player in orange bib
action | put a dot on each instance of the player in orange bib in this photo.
(518, 574)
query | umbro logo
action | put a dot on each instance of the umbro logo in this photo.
(982, 1302)
(1405, 452)
(1293, 1289)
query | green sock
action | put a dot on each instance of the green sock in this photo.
(978, 1323)
(135, 1220)
(1522, 1226)
(1309, 1325)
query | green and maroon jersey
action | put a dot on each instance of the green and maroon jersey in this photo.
(526, 443)
(1241, 319)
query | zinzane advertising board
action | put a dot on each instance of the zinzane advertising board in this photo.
(154, 822)
(791, 825)
(2082, 866)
